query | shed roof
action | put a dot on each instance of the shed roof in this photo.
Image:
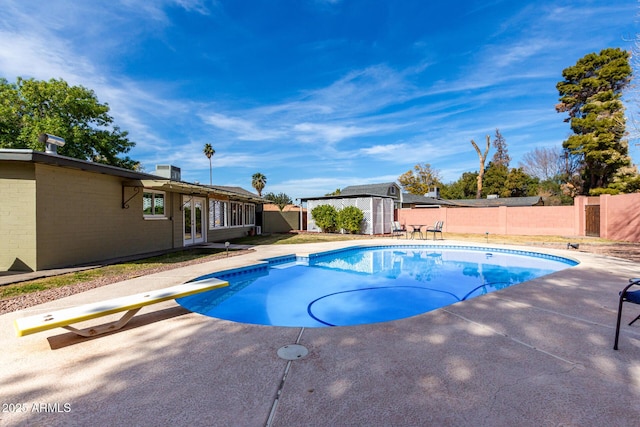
(370, 189)
(366, 190)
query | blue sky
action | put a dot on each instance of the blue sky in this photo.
(317, 94)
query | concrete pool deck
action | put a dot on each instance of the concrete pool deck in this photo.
(534, 354)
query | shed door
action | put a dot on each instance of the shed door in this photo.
(592, 220)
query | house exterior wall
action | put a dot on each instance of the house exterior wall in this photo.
(57, 211)
(224, 234)
(80, 219)
(18, 244)
(227, 231)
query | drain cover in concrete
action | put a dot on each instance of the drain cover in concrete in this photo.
(292, 352)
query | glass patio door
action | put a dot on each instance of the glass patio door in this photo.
(194, 217)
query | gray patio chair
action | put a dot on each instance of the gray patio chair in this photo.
(437, 228)
(397, 229)
(627, 296)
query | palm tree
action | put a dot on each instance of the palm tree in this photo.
(258, 181)
(209, 152)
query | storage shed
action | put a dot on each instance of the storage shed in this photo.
(376, 201)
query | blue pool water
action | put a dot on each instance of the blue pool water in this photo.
(365, 285)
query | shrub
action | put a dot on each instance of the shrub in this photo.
(350, 219)
(325, 217)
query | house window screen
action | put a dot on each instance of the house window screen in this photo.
(249, 214)
(218, 214)
(236, 214)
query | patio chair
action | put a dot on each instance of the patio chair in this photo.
(397, 229)
(437, 228)
(627, 296)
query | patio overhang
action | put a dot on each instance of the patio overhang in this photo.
(170, 186)
(187, 188)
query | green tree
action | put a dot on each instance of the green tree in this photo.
(505, 182)
(31, 107)
(494, 181)
(464, 188)
(334, 193)
(519, 184)
(497, 172)
(591, 95)
(350, 219)
(325, 217)
(209, 152)
(258, 181)
(501, 156)
(420, 180)
(279, 199)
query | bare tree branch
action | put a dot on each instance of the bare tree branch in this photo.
(482, 157)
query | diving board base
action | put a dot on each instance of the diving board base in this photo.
(106, 328)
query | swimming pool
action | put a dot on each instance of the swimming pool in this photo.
(361, 285)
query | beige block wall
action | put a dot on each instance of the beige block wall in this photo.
(620, 217)
(280, 222)
(541, 220)
(80, 219)
(17, 216)
(533, 220)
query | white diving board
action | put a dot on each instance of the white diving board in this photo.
(131, 304)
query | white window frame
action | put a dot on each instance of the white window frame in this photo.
(154, 215)
(223, 211)
(236, 214)
(249, 214)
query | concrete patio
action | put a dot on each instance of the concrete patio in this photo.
(535, 354)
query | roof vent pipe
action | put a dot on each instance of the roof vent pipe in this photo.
(51, 143)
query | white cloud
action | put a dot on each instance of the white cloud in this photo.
(198, 6)
(385, 150)
(242, 128)
(39, 56)
(363, 91)
(331, 133)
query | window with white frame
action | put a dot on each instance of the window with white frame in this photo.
(249, 214)
(236, 214)
(153, 204)
(218, 214)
